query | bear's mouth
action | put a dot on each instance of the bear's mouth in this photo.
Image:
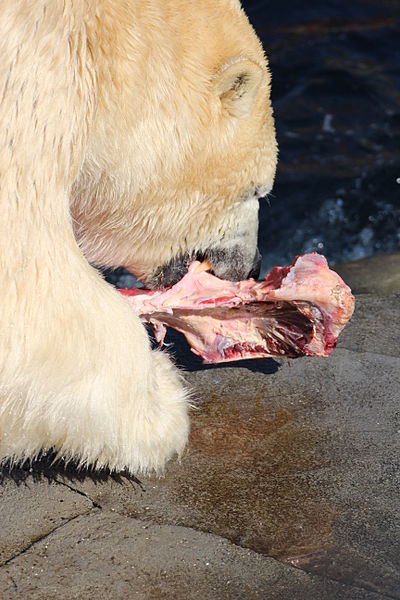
(170, 273)
(230, 265)
(164, 277)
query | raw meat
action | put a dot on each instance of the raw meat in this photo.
(298, 310)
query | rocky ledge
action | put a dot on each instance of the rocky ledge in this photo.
(288, 489)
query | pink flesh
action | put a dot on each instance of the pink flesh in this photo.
(298, 310)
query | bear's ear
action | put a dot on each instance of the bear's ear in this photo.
(237, 84)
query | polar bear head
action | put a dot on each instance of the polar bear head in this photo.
(181, 143)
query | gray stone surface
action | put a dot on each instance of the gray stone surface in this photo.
(378, 274)
(375, 327)
(289, 489)
(299, 465)
(31, 509)
(107, 556)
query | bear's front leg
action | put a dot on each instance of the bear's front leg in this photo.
(76, 370)
(78, 376)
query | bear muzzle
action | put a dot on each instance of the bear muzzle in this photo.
(235, 264)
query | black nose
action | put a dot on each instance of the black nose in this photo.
(256, 268)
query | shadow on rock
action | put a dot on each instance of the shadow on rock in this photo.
(51, 468)
(179, 350)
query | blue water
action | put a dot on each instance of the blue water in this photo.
(336, 97)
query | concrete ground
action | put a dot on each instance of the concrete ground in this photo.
(289, 488)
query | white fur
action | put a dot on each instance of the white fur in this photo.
(115, 148)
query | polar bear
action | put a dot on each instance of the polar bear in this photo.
(134, 133)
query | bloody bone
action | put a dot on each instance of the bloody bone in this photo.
(298, 310)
